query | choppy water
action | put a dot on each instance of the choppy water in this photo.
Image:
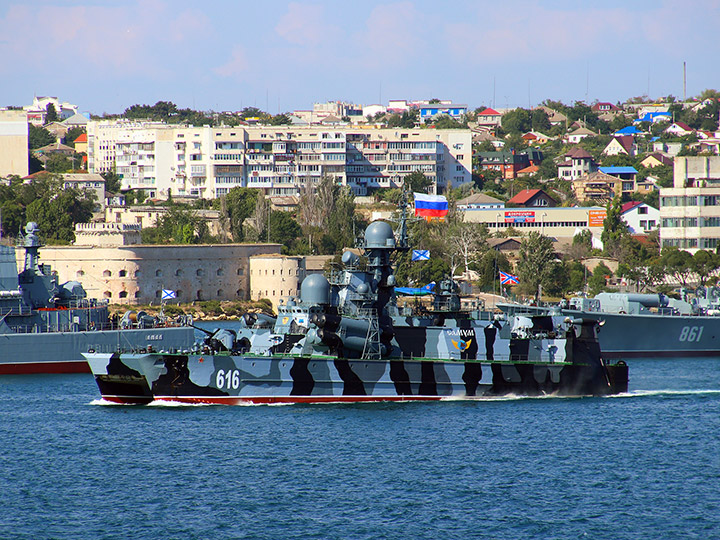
(645, 465)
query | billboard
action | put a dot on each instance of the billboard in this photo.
(596, 217)
(519, 216)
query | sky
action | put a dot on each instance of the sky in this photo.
(279, 56)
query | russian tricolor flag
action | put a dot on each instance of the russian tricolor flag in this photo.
(430, 206)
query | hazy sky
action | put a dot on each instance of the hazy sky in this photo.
(225, 55)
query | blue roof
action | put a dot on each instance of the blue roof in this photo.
(630, 130)
(650, 117)
(618, 170)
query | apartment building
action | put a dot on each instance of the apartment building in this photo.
(690, 210)
(13, 143)
(207, 162)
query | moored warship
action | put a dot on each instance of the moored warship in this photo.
(46, 326)
(644, 325)
(346, 339)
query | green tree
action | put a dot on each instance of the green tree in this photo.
(703, 264)
(112, 182)
(614, 228)
(51, 114)
(38, 137)
(59, 163)
(417, 182)
(237, 206)
(517, 121)
(72, 134)
(540, 121)
(597, 283)
(58, 210)
(536, 263)
(678, 263)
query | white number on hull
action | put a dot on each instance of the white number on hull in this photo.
(691, 333)
(229, 379)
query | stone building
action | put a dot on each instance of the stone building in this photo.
(128, 273)
(278, 277)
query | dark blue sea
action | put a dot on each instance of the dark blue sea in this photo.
(641, 466)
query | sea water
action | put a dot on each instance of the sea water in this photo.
(642, 465)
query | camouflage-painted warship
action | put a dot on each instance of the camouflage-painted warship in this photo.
(46, 326)
(345, 339)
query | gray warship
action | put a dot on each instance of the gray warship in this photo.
(637, 325)
(46, 326)
(345, 339)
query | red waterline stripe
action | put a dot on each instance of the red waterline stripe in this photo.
(30, 368)
(234, 400)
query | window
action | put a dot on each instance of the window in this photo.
(158, 294)
(123, 273)
(178, 272)
(79, 273)
(158, 273)
(220, 272)
(199, 272)
(107, 273)
(123, 294)
(642, 210)
(107, 294)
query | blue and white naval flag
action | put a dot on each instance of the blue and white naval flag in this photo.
(508, 279)
(168, 294)
(420, 255)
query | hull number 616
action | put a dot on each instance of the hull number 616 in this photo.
(691, 333)
(229, 379)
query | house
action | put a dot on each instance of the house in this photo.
(596, 187)
(556, 118)
(528, 171)
(87, 181)
(623, 173)
(670, 148)
(44, 152)
(76, 120)
(578, 162)
(625, 144)
(640, 217)
(537, 137)
(505, 245)
(489, 117)
(656, 159)
(430, 110)
(58, 129)
(654, 117)
(629, 130)
(579, 134)
(604, 106)
(679, 129)
(530, 198)
(81, 143)
(507, 162)
(479, 200)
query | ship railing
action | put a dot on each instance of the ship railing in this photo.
(15, 310)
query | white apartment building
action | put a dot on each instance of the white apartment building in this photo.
(13, 143)
(690, 210)
(208, 161)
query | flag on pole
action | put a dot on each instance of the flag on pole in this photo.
(420, 255)
(168, 294)
(430, 206)
(508, 279)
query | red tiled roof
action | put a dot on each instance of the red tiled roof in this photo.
(524, 196)
(529, 170)
(81, 138)
(684, 126)
(630, 205)
(489, 112)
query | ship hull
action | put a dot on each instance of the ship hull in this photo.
(238, 379)
(62, 352)
(627, 336)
